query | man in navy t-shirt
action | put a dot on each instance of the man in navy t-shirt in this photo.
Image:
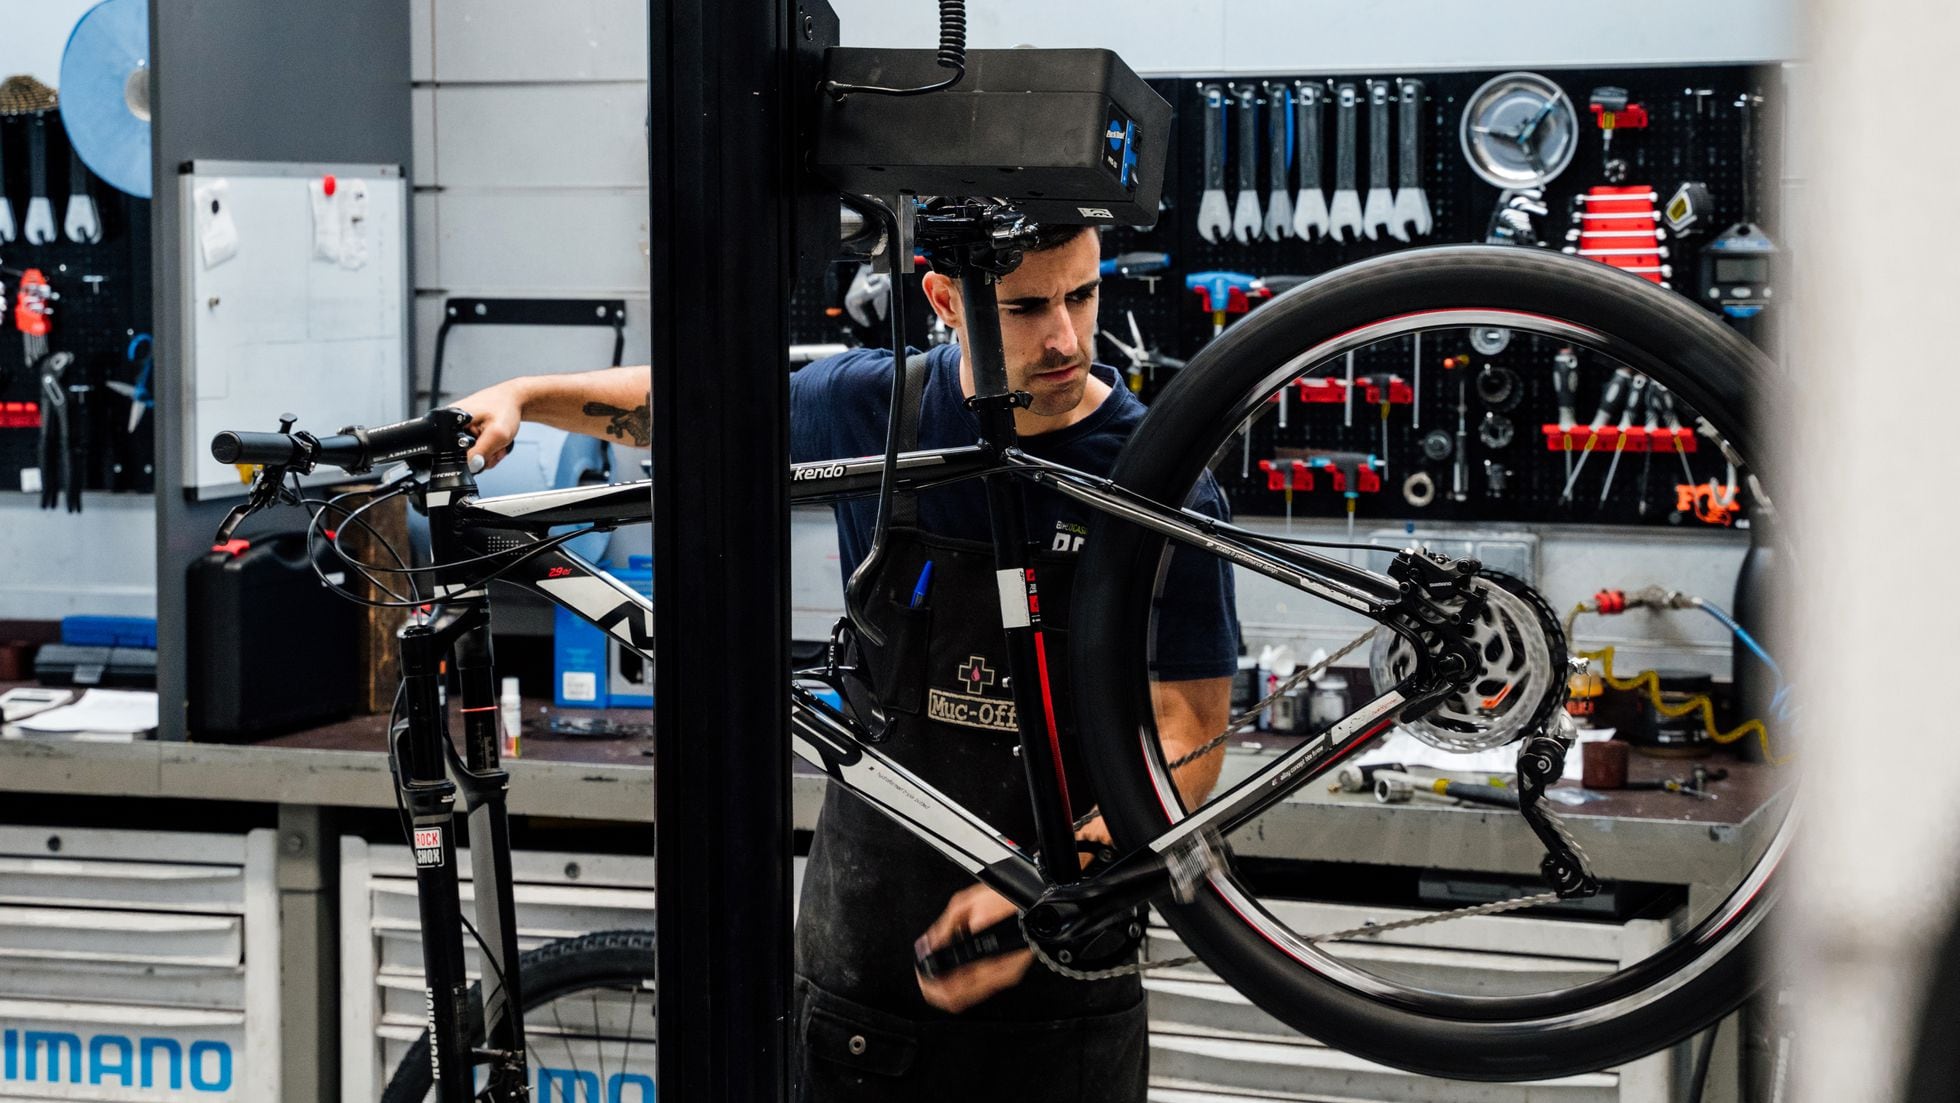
(1081, 416)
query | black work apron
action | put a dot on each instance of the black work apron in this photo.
(871, 888)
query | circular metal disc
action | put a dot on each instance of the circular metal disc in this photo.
(1490, 340)
(1519, 130)
(1521, 682)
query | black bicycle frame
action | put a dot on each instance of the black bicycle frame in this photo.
(464, 527)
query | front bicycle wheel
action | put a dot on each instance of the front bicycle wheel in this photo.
(1489, 343)
(588, 1023)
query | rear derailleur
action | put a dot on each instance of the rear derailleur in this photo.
(1541, 761)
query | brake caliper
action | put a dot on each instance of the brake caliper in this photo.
(1438, 607)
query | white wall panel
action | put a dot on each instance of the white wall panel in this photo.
(427, 258)
(421, 40)
(507, 41)
(422, 104)
(484, 355)
(566, 135)
(36, 34)
(542, 242)
(1165, 37)
(103, 561)
(1350, 35)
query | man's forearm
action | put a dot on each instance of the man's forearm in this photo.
(1189, 714)
(611, 403)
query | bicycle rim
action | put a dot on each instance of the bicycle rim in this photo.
(588, 1023)
(1388, 998)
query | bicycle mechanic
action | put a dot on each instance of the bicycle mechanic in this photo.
(869, 1026)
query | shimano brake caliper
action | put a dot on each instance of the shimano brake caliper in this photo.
(1438, 605)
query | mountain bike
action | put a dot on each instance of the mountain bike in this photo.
(1463, 658)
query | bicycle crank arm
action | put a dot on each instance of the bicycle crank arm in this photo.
(1003, 937)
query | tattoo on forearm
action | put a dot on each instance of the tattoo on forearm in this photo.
(633, 426)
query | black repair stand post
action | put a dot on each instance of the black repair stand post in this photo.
(719, 160)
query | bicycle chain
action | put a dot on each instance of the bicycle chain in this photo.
(1369, 930)
(1245, 720)
(1250, 716)
(1240, 723)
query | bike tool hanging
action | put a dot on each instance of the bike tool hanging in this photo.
(1221, 294)
(62, 463)
(1735, 267)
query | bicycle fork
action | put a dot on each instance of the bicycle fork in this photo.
(426, 761)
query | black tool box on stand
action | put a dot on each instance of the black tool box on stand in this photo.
(278, 651)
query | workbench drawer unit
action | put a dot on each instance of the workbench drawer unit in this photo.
(383, 1007)
(1209, 1044)
(138, 966)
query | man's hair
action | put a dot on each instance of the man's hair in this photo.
(1051, 236)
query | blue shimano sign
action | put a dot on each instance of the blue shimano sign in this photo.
(582, 1086)
(114, 1060)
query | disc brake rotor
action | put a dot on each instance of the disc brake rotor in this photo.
(1523, 652)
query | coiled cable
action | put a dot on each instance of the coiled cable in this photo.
(951, 55)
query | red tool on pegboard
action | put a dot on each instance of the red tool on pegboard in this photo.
(1621, 226)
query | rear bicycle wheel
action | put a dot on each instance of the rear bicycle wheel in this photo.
(1401, 999)
(588, 1022)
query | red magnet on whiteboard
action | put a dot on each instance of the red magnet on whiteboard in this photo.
(327, 185)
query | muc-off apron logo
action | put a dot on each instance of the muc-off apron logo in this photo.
(1069, 536)
(428, 846)
(972, 706)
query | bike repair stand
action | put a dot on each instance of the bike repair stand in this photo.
(978, 242)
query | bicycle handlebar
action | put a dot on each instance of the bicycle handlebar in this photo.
(353, 449)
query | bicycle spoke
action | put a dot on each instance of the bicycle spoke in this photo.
(632, 1007)
(565, 1040)
(1321, 877)
(599, 1036)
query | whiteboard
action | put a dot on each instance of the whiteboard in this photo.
(275, 328)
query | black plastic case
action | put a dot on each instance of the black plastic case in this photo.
(272, 649)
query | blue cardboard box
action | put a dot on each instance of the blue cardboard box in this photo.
(629, 676)
(590, 670)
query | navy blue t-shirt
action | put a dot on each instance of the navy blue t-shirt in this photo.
(839, 408)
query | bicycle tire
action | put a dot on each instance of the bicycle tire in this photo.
(1483, 1038)
(604, 959)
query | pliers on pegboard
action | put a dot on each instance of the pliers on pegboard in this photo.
(58, 472)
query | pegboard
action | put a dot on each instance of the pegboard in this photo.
(1679, 143)
(104, 304)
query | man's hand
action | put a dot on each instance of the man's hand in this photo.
(971, 909)
(495, 414)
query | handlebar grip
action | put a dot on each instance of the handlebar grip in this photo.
(264, 448)
(353, 449)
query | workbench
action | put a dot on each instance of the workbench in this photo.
(1648, 836)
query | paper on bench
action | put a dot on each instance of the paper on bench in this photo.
(108, 711)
